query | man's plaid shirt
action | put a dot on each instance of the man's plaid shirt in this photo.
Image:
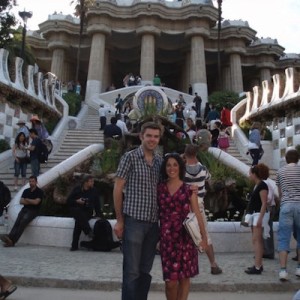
(140, 199)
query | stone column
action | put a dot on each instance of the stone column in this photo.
(106, 71)
(185, 79)
(236, 73)
(96, 63)
(226, 82)
(147, 60)
(57, 64)
(198, 68)
(265, 74)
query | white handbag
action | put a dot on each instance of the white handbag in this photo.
(192, 227)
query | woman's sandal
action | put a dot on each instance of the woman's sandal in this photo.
(10, 290)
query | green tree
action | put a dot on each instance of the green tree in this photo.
(7, 21)
(219, 98)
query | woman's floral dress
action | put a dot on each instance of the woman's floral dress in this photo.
(178, 253)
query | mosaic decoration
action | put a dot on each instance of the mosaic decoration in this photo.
(150, 97)
(297, 129)
(289, 120)
(290, 141)
(282, 133)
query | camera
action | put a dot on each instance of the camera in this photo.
(86, 202)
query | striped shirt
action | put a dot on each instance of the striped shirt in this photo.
(288, 180)
(197, 174)
(140, 195)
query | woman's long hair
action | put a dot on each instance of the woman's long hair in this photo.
(17, 140)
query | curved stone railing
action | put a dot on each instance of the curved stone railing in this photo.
(266, 103)
(46, 92)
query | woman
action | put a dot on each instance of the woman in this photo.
(190, 128)
(20, 156)
(254, 142)
(257, 216)
(178, 253)
(40, 128)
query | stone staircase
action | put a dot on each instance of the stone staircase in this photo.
(72, 141)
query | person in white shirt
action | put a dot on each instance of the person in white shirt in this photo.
(121, 124)
(102, 115)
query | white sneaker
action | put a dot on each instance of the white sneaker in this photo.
(297, 273)
(283, 275)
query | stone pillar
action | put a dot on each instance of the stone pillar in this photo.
(236, 73)
(57, 64)
(185, 79)
(147, 60)
(106, 71)
(226, 82)
(147, 66)
(96, 64)
(198, 68)
(265, 74)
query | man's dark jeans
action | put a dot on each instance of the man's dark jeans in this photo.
(82, 218)
(26, 215)
(139, 247)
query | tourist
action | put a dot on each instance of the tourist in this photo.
(191, 129)
(271, 207)
(179, 108)
(215, 134)
(207, 109)
(112, 130)
(197, 100)
(34, 150)
(118, 104)
(190, 89)
(103, 111)
(6, 287)
(31, 200)
(288, 182)
(127, 109)
(212, 116)
(223, 138)
(254, 142)
(197, 174)
(225, 116)
(121, 124)
(5, 197)
(181, 100)
(20, 158)
(23, 128)
(137, 212)
(257, 217)
(156, 80)
(83, 201)
(178, 252)
(37, 124)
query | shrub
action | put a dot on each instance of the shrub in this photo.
(4, 145)
(219, 98)
(74, 102)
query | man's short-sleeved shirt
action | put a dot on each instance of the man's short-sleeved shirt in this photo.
(288, 180)
(36, 193)
(140, 199)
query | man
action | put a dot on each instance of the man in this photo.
(31, 199)
(197, 174)
(82, 201)
(288, 182)
(197, 100)
(137, 212)
(118, 104)
(112, 130)
(34, 149)
(156, 80)
(121, 124)
(102, 116)
(23, 128)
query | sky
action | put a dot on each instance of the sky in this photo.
(277, 19)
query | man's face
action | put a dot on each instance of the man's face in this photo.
(32, 182)
(150, 139)
(89, 184)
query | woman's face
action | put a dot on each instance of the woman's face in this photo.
(172, 168)
(21, 138)
(189, 122)
(252, 176)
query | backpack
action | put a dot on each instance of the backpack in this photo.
(43, 153)
(103, 238)
(223, 142)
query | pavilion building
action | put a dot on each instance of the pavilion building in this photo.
(178, 40)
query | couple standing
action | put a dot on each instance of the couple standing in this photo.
(138, 213)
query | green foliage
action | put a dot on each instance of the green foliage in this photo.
(4, 145)
(109, 158)
(220, 98)
(74, 102)
(7, 21)
(150, 110)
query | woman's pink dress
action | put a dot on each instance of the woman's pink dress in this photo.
(178, 253)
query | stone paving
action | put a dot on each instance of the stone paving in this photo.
(38, 266)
